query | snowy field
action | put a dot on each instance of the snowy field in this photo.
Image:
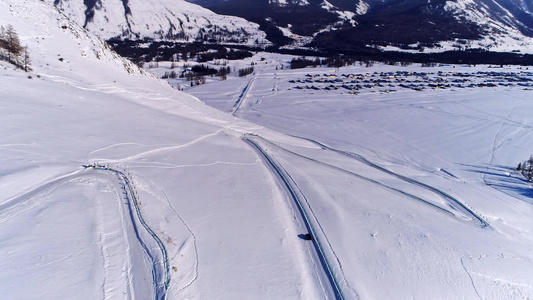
(414, 191)
(410, 194)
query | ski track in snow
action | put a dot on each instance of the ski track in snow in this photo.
(175, 166)
(129, 261)
(194, 239)
(156, 150)
(31, 199)
(451, 200)
(495, 144)
(471, 279)
(19, 204)
(114, 145)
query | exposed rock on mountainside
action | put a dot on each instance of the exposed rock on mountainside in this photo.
(347, 25)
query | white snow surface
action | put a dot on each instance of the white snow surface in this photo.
(162, 20)
(344, 15)
(463, 143)
(362, 7)
(66, 231)
(284, 3)
(397, 186)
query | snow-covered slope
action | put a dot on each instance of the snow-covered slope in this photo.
(159, 19)
(503, 28)
(224, 229)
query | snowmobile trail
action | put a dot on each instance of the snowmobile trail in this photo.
(452, 201)
(160, 269)
(240, 100)
(16, 205)
(458, 210)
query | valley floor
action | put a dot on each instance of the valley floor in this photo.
(414, 192)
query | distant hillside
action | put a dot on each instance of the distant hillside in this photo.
(348, 25)
(176, 20)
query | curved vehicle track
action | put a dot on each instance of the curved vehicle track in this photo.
(451, 200)
(454, 203)
(293, 189)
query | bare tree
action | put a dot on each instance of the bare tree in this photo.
(13, 51)
(13, 46)
(3, 40)
(26, 59)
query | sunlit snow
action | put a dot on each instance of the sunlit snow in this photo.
(405, 194)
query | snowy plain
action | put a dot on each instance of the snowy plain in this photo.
(409, 194)
(400, 180)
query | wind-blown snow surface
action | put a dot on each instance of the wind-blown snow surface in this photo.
(401, 183)
(67, 232)
(397, 188)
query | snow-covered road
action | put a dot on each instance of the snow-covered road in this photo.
(307, 217)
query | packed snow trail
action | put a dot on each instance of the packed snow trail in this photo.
(451, 200)
(289, 183)
(160, 277)
(240, 100)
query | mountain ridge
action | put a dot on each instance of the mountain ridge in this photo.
(440, 25)
(159, 20)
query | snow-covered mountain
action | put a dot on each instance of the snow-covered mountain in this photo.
(344, 25)
(330, 25)
(160, 19)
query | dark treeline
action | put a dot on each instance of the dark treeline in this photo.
(304, 20)
(472, 57)
(147, 50)
(246, 71)
(223, 53)
(399, 58)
